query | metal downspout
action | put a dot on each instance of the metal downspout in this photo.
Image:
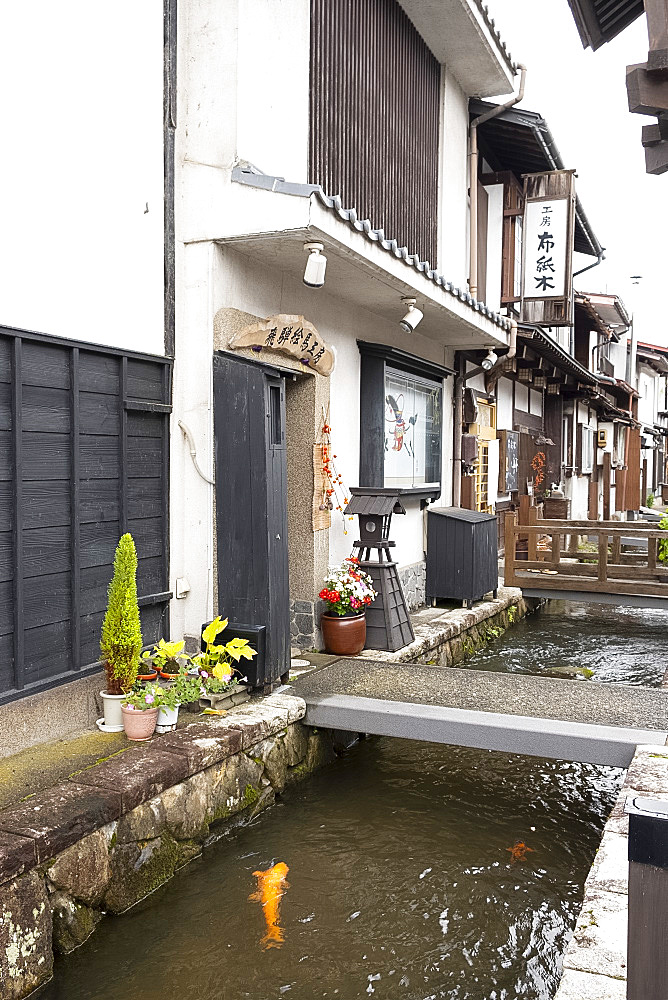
(473, 180)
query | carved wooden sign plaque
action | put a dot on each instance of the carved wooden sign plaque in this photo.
(291, 335)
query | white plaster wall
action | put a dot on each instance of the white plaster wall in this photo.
(647, 401)
(453, 196)
(273, 86)
(521, 397)
(577, 488)
(494, 245)
(240, 283)
(504, 404)
(618, 354)
(80, 256)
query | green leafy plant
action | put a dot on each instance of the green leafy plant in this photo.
(141, 699)
(649, 502)
(183, 689)
(121, 641)
(166, 656)
(217, 665)
(663, 542)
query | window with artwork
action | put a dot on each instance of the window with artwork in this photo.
(412, 430)
(401, 420)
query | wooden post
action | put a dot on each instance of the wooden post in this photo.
(643, 496)
(509, 557)
(647, 960)
(606, 485)
(616, 557)
(657, 31)
(651, 552)
(532, 549)
(556, 550)
(593, 500)
(602, 556)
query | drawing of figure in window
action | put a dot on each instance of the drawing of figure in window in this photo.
(395, 407)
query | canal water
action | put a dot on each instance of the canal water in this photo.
(415, 871)
(627, 645)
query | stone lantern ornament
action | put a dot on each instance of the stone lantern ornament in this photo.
(388, 625)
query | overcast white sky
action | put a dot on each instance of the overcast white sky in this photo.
(582, 96)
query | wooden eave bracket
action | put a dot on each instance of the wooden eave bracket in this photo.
(647, 94)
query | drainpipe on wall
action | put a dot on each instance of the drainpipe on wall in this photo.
(473, 180)
(460, 382)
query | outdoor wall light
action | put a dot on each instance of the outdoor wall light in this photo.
(316, 262)
(489, 361)
(412, 317)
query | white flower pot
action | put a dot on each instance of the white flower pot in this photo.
(167, 719)
(113, 719)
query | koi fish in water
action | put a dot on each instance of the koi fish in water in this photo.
(271, 885)
(518, 851)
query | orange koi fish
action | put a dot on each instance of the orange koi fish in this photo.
(271, 885)
(518, 851)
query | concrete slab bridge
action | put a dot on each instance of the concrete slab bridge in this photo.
(512, 713)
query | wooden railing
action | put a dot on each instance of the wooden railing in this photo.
(553, 559)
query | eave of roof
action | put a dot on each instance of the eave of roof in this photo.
(602, 310)
(250, 176)
(544, 344)
(599, 21)
(521, 141)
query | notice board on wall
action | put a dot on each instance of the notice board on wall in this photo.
(509, 461)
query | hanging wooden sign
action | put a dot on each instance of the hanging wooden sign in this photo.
(291, 335)
(547, 248)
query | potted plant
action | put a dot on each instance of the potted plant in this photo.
(140, 712)
(218, 670)
(121, 642)
(347, 592)
(185, 688)
(167, 658)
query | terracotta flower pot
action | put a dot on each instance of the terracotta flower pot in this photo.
(344, 634)
(139, 725)
(148, 677)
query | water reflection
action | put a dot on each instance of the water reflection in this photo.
(628, 645)
(402, 886)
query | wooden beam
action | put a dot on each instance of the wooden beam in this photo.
(656, 159)
(509, 556)
(652, 135)
(647, 95)
(657, 31)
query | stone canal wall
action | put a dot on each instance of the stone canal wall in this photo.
(446, 637)
(595, 960)
(111, 834)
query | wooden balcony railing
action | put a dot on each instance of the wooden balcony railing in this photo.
(551, 556)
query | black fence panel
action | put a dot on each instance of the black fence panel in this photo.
(84, 457)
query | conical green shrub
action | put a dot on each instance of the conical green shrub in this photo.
(121, 640)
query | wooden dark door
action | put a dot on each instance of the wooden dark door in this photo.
(251, 502)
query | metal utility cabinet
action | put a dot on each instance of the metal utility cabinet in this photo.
(462, 555)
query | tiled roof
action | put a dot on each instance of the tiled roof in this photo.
(491, 24)
(250, 175)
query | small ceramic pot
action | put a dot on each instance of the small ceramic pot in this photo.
(148, 677)
(344, 635)
(113, 720)
(139, 725)
(168, 677)
(167, 719)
